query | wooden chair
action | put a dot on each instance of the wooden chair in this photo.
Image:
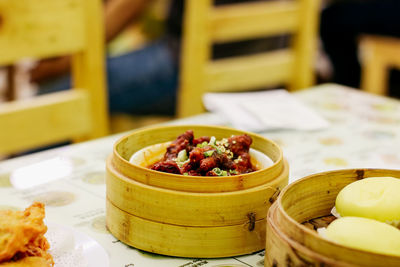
(205, 24)
(47, 28)
(378, 55)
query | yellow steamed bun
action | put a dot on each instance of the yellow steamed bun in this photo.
(365, 234)
(375, 198)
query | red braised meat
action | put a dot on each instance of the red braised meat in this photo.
(206, 156)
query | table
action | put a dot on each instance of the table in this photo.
(364, 133)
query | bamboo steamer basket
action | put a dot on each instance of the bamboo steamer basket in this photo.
(128, 145)
(291, 243)
(190, 216)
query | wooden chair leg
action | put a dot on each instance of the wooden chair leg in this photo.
(374, 76)
(11, 90)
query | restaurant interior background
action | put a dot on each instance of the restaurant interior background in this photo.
(80, 78)
(347, 33)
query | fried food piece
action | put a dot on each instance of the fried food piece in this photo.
(201, 140)
(169, 166)
(27, 261)
(243, 163)
(22, 234)
(205, 156)
(239, 143)
(184, 141)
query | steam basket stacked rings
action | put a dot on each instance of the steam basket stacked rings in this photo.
(190, 216)
(291, 243)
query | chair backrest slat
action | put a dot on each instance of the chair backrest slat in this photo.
(206, 24)
(252, 20)
(246, 73)
(47, 28)
(38, 29)
(44, 120)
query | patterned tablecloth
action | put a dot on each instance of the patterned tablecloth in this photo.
(364, 133)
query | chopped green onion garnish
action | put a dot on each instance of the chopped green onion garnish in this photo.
(185, 173)
(182, 156)
(208, 153)
(202, 144)
(220, 172)
(212, 140)
(217, 171)
(233, 171)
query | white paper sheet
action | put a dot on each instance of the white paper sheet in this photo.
(265, 110)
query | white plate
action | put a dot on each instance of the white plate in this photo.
(71, 248)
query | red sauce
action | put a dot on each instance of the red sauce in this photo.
(205, 156)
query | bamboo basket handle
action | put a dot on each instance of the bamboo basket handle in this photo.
(275, 195)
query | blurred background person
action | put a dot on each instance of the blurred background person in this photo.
(141, 81)
(342, 24)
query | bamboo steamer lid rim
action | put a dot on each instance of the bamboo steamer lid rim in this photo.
(268, 174)
(271, 185)
(357, 174)
(119, 157)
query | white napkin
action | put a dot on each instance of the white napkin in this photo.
(265, 110)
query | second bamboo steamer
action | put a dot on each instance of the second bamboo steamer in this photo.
(290, 242)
